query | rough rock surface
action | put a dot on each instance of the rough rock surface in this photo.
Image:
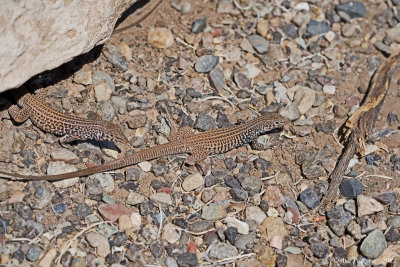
(39, 36)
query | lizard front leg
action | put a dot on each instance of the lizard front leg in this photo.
(19, 114)
(257, 145)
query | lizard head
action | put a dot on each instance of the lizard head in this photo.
(272, 121)
(114, 132)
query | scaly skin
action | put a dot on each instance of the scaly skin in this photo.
(199, 146)
(72, 128)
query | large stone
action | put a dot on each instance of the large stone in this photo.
(38, 36)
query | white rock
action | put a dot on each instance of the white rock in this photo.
(162, 198)
(369, 149)
(160, 37)
(100, 242)
(145, 166)
(329, 89)
(367, 206)
(192, 181)
(242, 227)
(394, 33)
(134, 198)
(352, 163)
(83, 77)
(106, 181)
(63, 154)
(67, 29)
(255, 213)
(136, 220)
(102, 92)
(124, 222)
(251, 71)
(171, 233)
(58, 167)
(305, 98)
(330, 36)
(47, 259)
(302, 6)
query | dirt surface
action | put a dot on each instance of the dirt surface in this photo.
(310, 62)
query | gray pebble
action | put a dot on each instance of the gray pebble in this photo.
(205, 122)
(170, 262)
(222, 251)
(394, 222)
(206, 63)
(114, 56)
(33, 253)
(252, 185)
(133, 174)
(199, 25)
(351, 188)
(319, 249)
(242, 81)
(238, 194)
(259, 43)
(373, 245)
(101, 76)
(119, 102)
(213, 212)
(201, 226)
(217, 79)
(386, 198)
(309, 198)
(391, 235)
(107, 111)
(354, 9)
(244, 242)
(187, 259)
(316, 28)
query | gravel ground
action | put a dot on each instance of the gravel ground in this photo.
(211, 64)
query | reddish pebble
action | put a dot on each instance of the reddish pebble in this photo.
(113, 211)
(90, 164)
(273, 196)
(164, 190)
(353, 100)
(191, 247)
(216, 33)
(16, 197)
(295, 214)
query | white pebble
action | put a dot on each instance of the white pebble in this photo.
(329, 89)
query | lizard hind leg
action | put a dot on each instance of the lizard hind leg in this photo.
(181, 134)
(19, 114)
(69, 138)
(196, 155)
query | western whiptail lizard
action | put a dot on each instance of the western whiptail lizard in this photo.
(199, 146)
(72, 128)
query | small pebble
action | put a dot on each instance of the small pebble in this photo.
(259, 43)
(309, 198)
(213, 212)
(99, 242)
(199, 25)
(206, 63)
(241, 227)
(160, 37)
(373, 245)
(351, 188)
(367, 205)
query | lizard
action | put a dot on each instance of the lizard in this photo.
(72, 128)
(199, 146)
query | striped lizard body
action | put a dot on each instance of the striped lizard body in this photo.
(70, 127)
(199, 146)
